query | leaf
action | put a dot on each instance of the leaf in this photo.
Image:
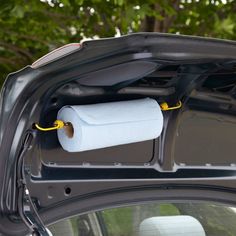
(18, 11)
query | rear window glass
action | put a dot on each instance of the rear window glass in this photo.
(155, 219)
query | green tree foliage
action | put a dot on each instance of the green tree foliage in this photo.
(31, 28)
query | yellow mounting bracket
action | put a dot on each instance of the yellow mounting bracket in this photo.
(58, 124)
(165, 107)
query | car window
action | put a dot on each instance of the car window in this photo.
(153, 219)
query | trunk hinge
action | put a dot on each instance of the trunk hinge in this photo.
(26, 207)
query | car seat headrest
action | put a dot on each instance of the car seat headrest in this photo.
(171, 226)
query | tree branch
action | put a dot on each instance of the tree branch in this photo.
(12, 62)
(17, 50)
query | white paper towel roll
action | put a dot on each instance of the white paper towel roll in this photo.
(110, 124)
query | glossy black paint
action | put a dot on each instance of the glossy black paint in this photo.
(183, 66)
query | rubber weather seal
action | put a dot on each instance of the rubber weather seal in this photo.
(26, 207)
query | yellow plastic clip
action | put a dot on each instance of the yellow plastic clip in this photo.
(58, 124)
(165, 107)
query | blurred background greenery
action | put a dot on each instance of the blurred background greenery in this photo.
(32, 28)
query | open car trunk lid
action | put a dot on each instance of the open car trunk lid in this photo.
(193, 157)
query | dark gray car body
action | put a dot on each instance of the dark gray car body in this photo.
(193, 159)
